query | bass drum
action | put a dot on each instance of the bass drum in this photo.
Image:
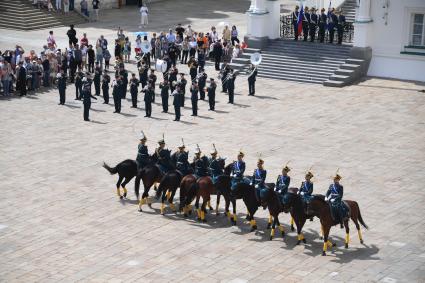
(161, 66)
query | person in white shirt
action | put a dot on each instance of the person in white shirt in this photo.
(144, 15)
(189, 31)
(214, 34)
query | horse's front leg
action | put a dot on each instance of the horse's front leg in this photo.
(163, 198)
(126, 180)
(326, 243)
(204, 210)
(118, 186)
(171, 200)
(197, 207)
(234, 210)
(217, 203)
(273, 227)
(347, 233)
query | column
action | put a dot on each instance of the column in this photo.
(258, 24)
(362, 24)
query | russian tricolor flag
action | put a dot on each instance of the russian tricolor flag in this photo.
(300, 19)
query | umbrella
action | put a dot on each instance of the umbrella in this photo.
(141, 33)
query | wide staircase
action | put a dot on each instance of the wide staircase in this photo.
(349, 10)
(22, 15)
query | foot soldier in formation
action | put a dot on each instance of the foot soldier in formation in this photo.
(134, 85)
(211, 94)
(314, 21)
(96, 79)
(164, 87)
(230, 85)
(306, 23)
(202, 82)
(142, 152)
(340, 26)
(87, 96)
(148, 98)
(332, 23)
(177, 100)
(116, 93)
(295, 21)
(62, 87)
(322, 25)
(251, 79)
(105, 87)
(194, 98)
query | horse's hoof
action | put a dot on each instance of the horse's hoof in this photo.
(298, 242)
(150, 205)
(321, 238)
(204, 221)
(269, 225)
(234, 223)
(304, 241)
(361, 241)
(140, 210)
(185, 215)
(346, 246)
(271, 238)
(190, 212)
(121, 197)
(247, 217)
(125, 195)
(323, 253)
(283, 234)
(217, 214)
(211, 209)
(292, 228)
(253, 228)
(199, 219)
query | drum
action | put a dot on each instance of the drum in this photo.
(161, 66)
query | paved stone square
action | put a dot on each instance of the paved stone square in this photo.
(60, 219)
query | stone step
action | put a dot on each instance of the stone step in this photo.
(251, 50)
(316, 61)
(294, 73)
(294, 79)
(344, 72)
(307, 44)
(339, 78)
(349, 66)
(354, 61)
(301, 67)
(330, 48)
(307, 51)
(284, 56)
(332, 83)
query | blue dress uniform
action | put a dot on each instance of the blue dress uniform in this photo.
(163, 159)
(306, 191)
(182, 163)
(251, 80)
(340, 27)
(142, 155)
(314, 20)
(124, 75)
(294, 21)
(258, 180)
(306, 23)
(86, 94)
(333, 22)
(322, 26)
(96, 80)
(62, 89)
(78, 86)
(194, 99)
(334, 197)
(183, 83)
(215, 169)
(134, 85)
(211, 95)
(164, 86)
(231, 86)
(148, 98)
(282, 184)
(116, 94)
(143, 75)
(238, 169)
(105, 88)
(201, 167)
(177, 104)
(202, 81)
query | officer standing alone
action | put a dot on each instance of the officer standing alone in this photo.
(87, 96)
(251, 79)
(62, 87)
(177, 102)
(211, 94)
(134, 85)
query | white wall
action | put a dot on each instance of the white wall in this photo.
(323, 3)
(387, 41)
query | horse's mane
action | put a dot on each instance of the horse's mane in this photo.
(320, 198)
(293, 190)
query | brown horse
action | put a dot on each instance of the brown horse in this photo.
(150, 175)
(168, 187)
(190, 188)
(319, 207)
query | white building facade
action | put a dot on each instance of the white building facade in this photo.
(394, 31)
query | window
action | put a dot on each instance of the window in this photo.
(418, 30)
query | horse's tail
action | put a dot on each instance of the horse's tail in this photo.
(137, 184)
(361, 219)
(110, 170)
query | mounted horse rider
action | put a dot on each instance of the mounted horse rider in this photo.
(238, 169)
(214, 167)
(259, 179)
(163, 157)
(180, 159)
(142, 158)
(339, 211)
(200, 163)
(306, 188)
(283, 181)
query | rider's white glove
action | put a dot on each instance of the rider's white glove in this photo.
(256, 186)
(326, 198)
(332, 200)
(302, 193)
(250, 184)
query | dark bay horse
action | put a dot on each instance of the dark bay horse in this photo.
(168, 187)
(247, 193)
(318, 206)
(190, 188)
(150, 175)
(126, 170)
